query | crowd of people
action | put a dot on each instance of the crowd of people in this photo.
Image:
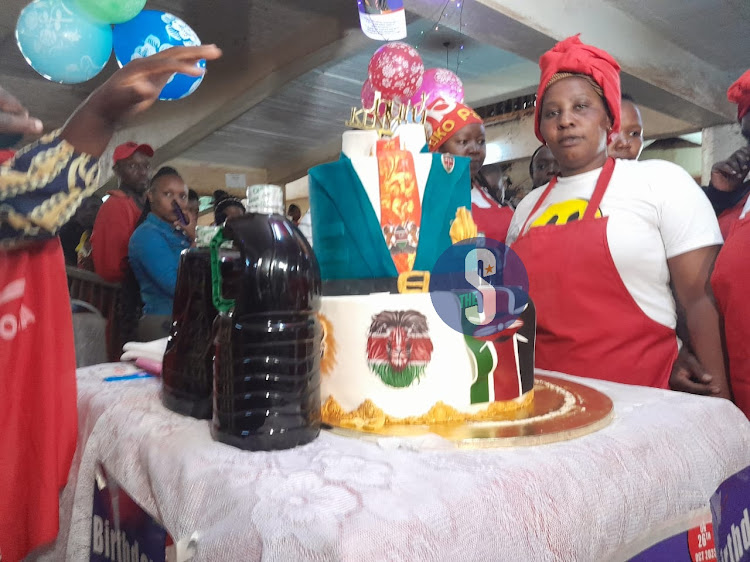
(635, 271)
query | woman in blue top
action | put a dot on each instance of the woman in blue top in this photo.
(154, 251)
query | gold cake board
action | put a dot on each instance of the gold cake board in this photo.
(562, 410)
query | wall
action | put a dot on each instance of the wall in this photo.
(205, 178)
(687, 158)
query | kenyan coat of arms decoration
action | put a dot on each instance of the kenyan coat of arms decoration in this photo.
(399, 347)
(449, 162)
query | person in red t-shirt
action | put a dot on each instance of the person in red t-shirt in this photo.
(40, 188)
(119, 214)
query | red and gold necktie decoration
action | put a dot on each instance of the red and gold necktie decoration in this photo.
(400, 207)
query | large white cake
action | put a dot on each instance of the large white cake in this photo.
(392, 359)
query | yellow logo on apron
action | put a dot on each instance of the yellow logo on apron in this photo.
(563, 213)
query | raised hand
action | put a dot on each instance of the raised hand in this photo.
(729, 174)
(129, 91)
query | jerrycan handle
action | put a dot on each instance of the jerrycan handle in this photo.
(221, 304)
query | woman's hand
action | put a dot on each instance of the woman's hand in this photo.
(189, 228)
(690, 273)
(130, 91)
(688, 375)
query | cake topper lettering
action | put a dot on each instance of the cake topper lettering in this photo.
(384, 116)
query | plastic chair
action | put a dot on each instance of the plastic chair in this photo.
(90, 333)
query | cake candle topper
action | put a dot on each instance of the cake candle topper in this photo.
(384, 116)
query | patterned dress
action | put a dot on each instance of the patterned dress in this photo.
(40, 190)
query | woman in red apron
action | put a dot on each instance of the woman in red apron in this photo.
(731, 271)
(589, 323)
(456, 129)
(732, 267)
(40, 189)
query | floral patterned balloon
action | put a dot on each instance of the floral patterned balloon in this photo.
(60, 44)
(396, 71)
(439, 83)
(151, 32)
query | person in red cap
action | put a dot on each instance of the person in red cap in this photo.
(455, 128)
(732, 267)
(40, 189)
(119, 214)
(602, 241)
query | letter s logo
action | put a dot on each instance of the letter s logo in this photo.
(486, 290)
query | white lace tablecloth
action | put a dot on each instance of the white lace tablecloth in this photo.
(593, 498)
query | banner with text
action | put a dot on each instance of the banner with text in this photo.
(695, 545)
(121, 530)
(730, 509)
(384, 20)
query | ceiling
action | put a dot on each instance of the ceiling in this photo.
(293, 68)
(715, 31)
(311, 110)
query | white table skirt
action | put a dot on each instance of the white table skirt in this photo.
(593, 498)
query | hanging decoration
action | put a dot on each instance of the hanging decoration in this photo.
(396, 70)
(383, 20)
(60, 44)
(109, 11)
(439, 83)
(150, 32)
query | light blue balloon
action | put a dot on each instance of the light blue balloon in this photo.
(153, 31)
(60, 44)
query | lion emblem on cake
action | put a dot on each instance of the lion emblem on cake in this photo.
(399, 347)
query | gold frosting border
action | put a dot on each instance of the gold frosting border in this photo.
(370, 417)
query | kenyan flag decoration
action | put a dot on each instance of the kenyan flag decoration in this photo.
(399, 347)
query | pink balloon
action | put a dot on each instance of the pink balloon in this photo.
(368, 97)
(396, 71)
(439, 83)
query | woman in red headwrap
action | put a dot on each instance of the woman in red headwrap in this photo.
(602, 241)
(732, 267)
(456, 129)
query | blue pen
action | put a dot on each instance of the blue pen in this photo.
(132, 376)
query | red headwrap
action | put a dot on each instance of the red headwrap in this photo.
(739, 93)
(6, 155)
(445, 118)
(575, 57)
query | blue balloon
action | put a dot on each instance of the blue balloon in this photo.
(153, 31)
(60, 44)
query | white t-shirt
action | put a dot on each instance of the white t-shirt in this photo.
(305, 227)
(656, 212)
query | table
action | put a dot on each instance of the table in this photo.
(603, 496)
